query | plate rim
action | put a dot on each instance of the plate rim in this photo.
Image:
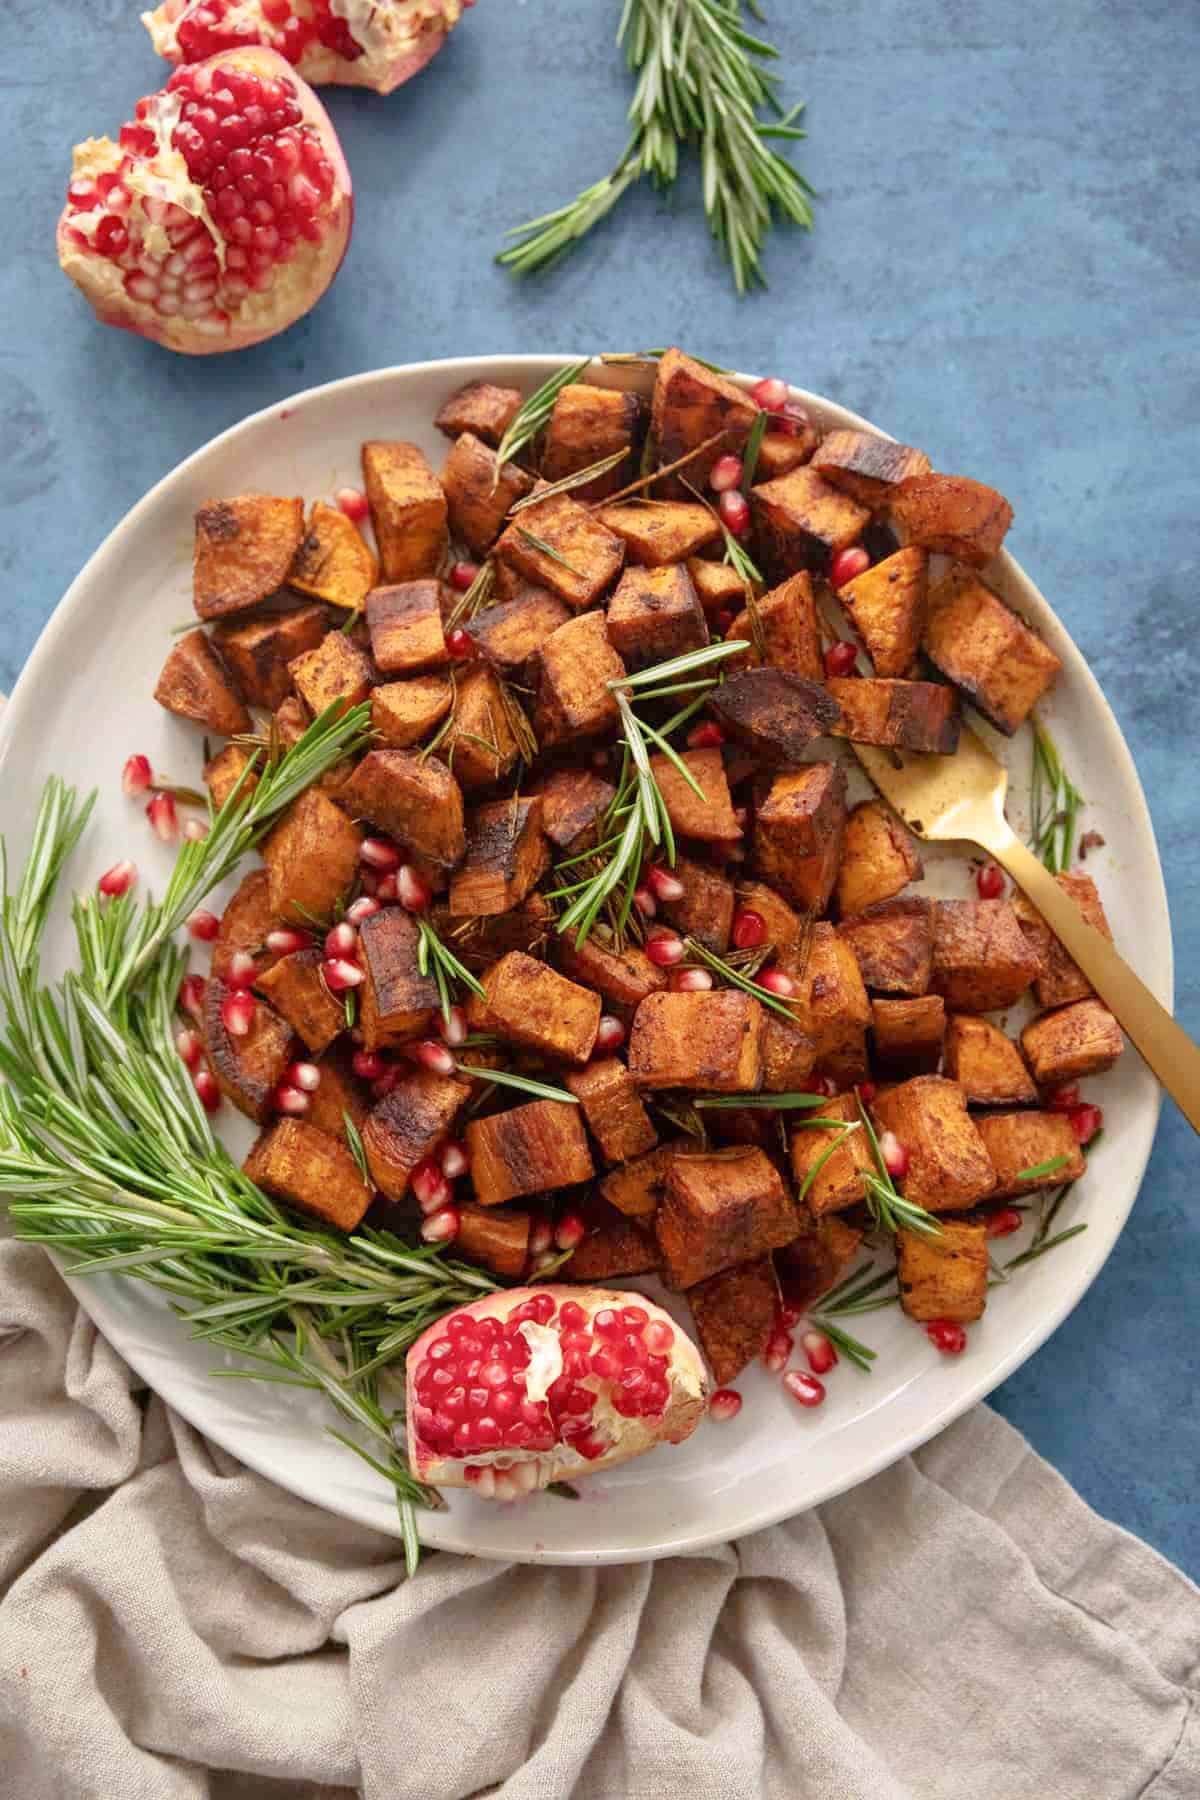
(436, 1529)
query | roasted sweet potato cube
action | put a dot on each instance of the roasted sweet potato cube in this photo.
(480, 939)
(223, 771)
(496, 1240)
(719, 587)
(705, 910)
(334, 563)
(408, 510)
(337, 673)
(258, 651)
(867, 467)
(878, 858)
(613, 1109)
(986, 1064)
(583, 557)
(1020, 1142)
(195, 684)
(397, 1001)
(614, 1247)
(587, 425)
(774, 713)
(574, 802)
(480, 748)
(419, 803)
(908, 715)
(573, 699)
(707, 815)
(831, 1004)
(248, 1069)
(785, 927)
(734, 1313)
(404, 712)
(798, 832)
(780, 452)
(711, 1041)
(886, 604)
(828, 1161)
(893, 941)
(481, 407)
(667, 531)
(721, 1207)
(405, 623)
(981, 959)
(636, 1188)
(528, 1150)
(785, 620)
(655, 614)
(296, 991)
(506, 857)
(981, 645)
(789, 1055)
(530, 1004)
(479, 493)
(1061, 980)
(624, 977)
(244, 550)
(801, 522)
(339, 1096)
(511, 633)
(247, 919)
(291, 721)
(311, 1171)
(949, 1167)
(692, 404)
(817, 1259)
(311, 858)
(407, 1125)
(944, 1277)
(1077, 1040)
(908, 1034)
(951, 514)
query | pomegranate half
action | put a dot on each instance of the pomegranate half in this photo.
(222, 213)
(536, 1385)
(354, 43)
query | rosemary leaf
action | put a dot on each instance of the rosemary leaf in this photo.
(1052, 1243)
(545, 549)
(579, 479)
(1036, 1172)
(773, 1102)
(355, 1144)
(524, 1084)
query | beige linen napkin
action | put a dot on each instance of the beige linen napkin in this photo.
(173, 1626)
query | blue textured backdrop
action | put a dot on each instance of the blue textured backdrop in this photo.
(1004, 270)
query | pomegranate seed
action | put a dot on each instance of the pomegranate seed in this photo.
(689, 981)
(707, 736)
(867, 1091)
(442, 1226)
(304, 1075)
(804, 1388)
(454, 1028)
(787, 1317)
(946, 1335)
(734, 509)
(205, 1084)
(791, 421)
(820, 1352)
(779, 1348)
(895, 1155)
(204, 926)
(379, 853)
(341, 940)
(664, 948)
(726, 1403)
(191, 995)
(195, 831)
(1004, 1222)
(841, 657)
(770, 394)
(454, 1161)
(1063, 1099)
(292, 1102)
(776, 982)
(659, 1337)
(645, 902)
(1086, 1122)
(722, 620)
(362, 908)
(541, 1236)
(847, 564)
(726, 473)
(190, 1047)
(285, 940)
(413, 893)
(462, 575)
(338, 974)
(430, 1187)
(348, 500)
(135, 776)
(460, 644)
(368, 1065)
(237, 1012)
(241, 970)
(748, 931)
(610, 1033)
(390, 1078)
(823, 1085)
(118, 880)
(989, 881)
(570, 1232)
(435, 1057)
(163, 817)
(663, 885)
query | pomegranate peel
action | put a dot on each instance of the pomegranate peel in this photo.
(560, 1381)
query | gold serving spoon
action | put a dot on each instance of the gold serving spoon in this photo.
(961, 798)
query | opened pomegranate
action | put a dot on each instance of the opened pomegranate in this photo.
(222, 213)
(538, 1384)
(356, 43)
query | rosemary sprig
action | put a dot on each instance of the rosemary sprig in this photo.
(524, 1084)
(1055, 804)
(888, 1208)
(477, 596)
(1051, 1243)
(773, 1102)
(534, 413)
(355, 1145)
(433, 956)
(545, 549)
(853, 1296)
(649, 476)
(580, 478)
(700, 83)
(843, 1128)
(735, 978)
